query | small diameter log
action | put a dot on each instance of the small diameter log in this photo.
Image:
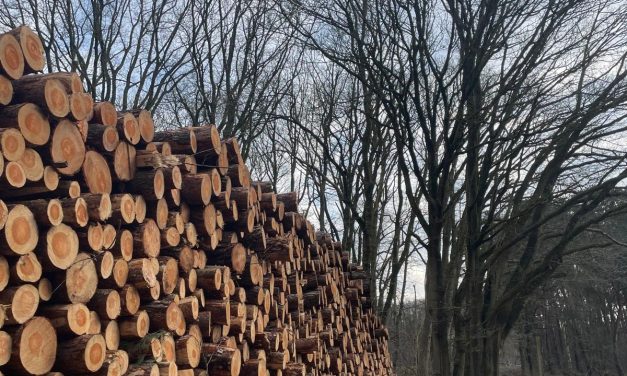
(146, 124)
(67, 319)
(60, 247)
(140, 208)
(170, 237)
(147, 239)
(12, 144)
(96, 173)
(32, 165)
(123, 208)
(67, 149)
(20, 235)
(98, 206)
(150, 184)
(6, 90)
(168, 274)
(29, 119)
(105, 114)
(34, 348)
(106, 303)
(103, 137)
(134, 327)
(209, 278)
(14, 176)
(11, 57)
(205, 220)
(46, 213)
(128, 128)
(158, 210)
(75, 212)
(231, 255)
(181, 140)
(4, 276)
(124, 245)
(165, 315)
(27, 268)
(143, 369)
(22, 301)
(129, 301)
(85, 353)
(5, 347)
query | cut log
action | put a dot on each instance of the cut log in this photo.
(147, 239)
(14, 176)
(32, 49)
(60, 247)
(6, 90)
(67, 150)
(12, 144)
(124, 161)
(150, 184)
(107, 303)
(67, 319)
(34, 348)
(44, 91)
(146, 124)
(128, 127)
(81, 280)
(85, 354)
(196, 189)
(96, 173)
(181, 140)
(103, 137)
(22, 302)
(105, 114)
(222, 359)
(123, 208)
(20, 235)
(29, 119)
(11, 57)
(32, 165)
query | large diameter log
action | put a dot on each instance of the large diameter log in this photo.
(81, 107)
(30, 120)
(32, 49)
(83, 354)
(208, 141)
(22, 302)
(96, 173)
(11, 57)
(44, 91)
(67, 149)
(12, 144)
(34, 348)
(232, 255)
(147, 239)
(61, 246)
(103, 137)
(222, 359)
(20, 235)
(81, 280)
(188, 351)
(196, 189)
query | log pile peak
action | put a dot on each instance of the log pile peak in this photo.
(126, 251)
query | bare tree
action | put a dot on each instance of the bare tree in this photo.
(504, 115)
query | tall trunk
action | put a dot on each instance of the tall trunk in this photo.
(422, 359)
(438, 312)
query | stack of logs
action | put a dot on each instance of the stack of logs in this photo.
(125, 251)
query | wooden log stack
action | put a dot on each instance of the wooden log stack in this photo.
(126, 251)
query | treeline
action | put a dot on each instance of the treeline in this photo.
(476, 138)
